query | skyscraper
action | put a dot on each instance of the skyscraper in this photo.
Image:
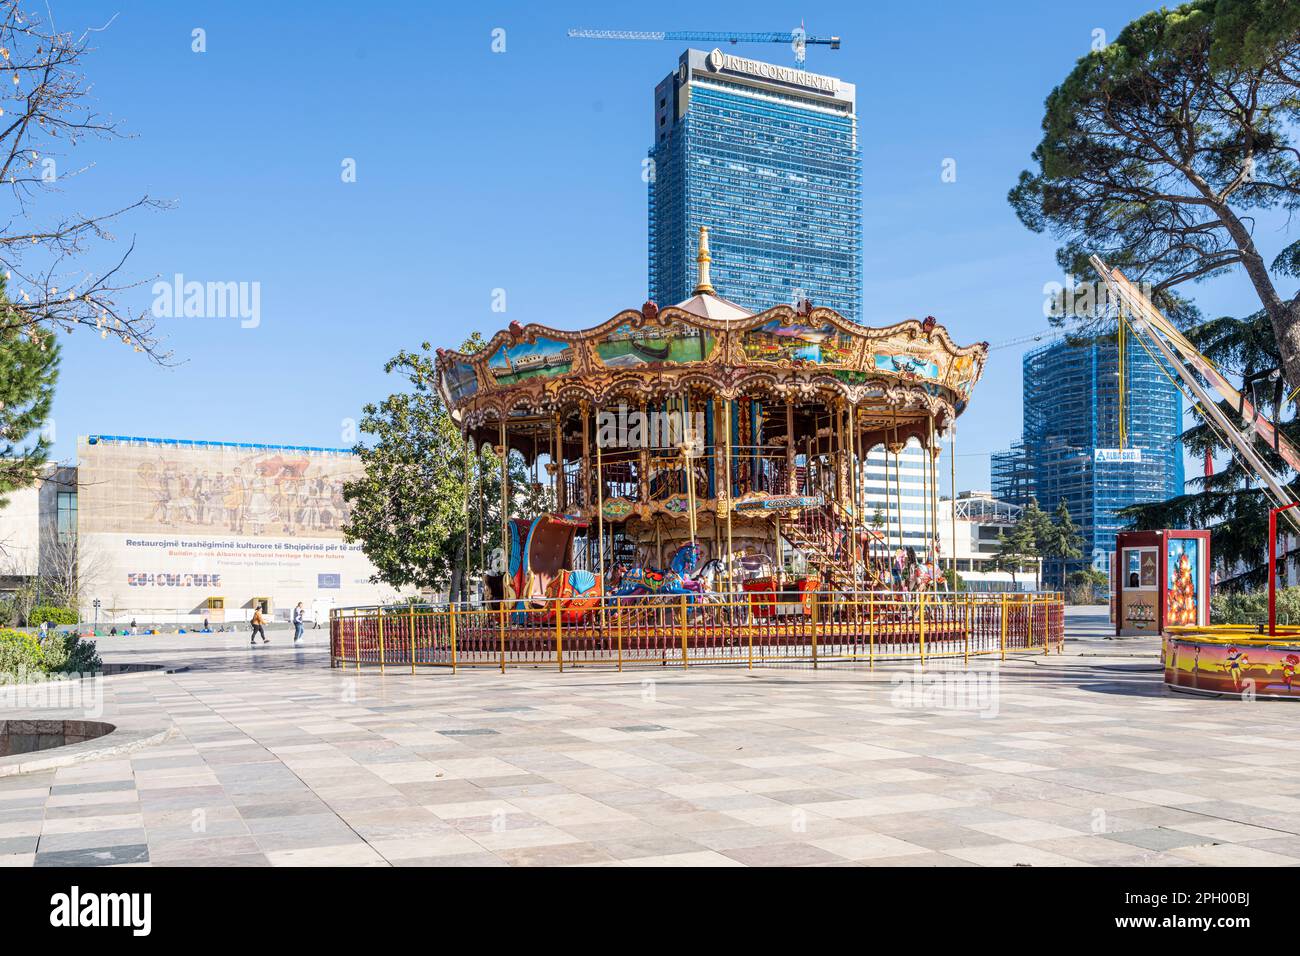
(1071, 446)
(767, 157)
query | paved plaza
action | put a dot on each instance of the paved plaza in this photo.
(275, 759)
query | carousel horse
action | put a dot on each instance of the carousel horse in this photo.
(675, 580)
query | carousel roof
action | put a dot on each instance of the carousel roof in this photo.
(715, 307)
(900, 375)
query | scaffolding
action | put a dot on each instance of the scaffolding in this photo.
(1075, 449)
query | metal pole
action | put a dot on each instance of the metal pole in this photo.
(453, 640)
(812, 606)
(682, 610)
(726, 423)
(600, 525)
(1003, 641)
(464, 584)
(505, 537)
(559, 635)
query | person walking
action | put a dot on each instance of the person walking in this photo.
(259, 625)
(297, 623)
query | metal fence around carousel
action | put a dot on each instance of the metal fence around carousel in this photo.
(739, 629)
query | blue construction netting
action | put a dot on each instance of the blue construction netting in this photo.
(192, 443)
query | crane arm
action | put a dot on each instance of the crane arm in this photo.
(1152, 326)
(787, 36)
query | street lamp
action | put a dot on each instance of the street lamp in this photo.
(95, 604)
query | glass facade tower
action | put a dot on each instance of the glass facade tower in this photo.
(1071, 442)
(767, 158)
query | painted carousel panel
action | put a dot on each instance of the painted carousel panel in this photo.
(674, 343)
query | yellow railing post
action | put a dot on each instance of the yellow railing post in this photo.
(381, 640)
(410, 623)
(965, 625)
(618, 631)
(1003, 643)
(749, 634)
(1029, 635)
(814, 607)
(454, 638)
(681, 609)
(871, 629)
(921, 601)
(501, 615)
(559, 636)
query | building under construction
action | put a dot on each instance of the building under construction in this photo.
(1072, 447)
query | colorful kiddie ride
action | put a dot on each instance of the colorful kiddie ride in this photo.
(540, 572)
(677, 580)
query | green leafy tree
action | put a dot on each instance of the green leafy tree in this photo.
(1159, 148)
(411, 508)
(29, 367)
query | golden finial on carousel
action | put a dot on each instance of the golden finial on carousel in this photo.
(704, 286)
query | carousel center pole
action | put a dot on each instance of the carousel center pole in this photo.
(688, 460)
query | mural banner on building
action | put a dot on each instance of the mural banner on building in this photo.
(210, 529)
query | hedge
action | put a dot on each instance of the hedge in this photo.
(48, 612)
(20, 655)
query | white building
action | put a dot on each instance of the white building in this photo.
(897, 490)
(972, 522)
(173, 531)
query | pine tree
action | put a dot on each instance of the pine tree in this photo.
(29, 367)
(1020, 543)
(1060, 538)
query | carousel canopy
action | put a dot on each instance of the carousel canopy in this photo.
(897, 377)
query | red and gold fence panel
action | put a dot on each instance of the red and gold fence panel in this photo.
(686, 630)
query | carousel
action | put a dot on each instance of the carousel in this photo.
(699, 450)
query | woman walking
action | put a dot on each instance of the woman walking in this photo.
(259, 624)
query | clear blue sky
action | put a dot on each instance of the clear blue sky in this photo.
(520, 171)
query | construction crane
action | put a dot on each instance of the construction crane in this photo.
(797, 38)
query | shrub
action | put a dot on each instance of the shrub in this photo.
(1251, 607)
(69, 654)
(19, 653)
(7, 613)
(50, 612)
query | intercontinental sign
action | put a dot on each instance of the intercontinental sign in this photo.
(719, 61)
